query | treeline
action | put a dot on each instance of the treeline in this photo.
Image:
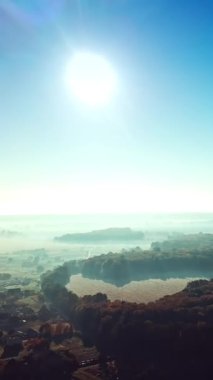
(184, 256)
(182, 243)
(120, 269)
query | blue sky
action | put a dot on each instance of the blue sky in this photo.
(150, 149)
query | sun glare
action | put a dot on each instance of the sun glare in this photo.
(90, 78)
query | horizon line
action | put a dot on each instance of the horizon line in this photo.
(108, 213)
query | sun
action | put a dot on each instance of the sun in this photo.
(91, 78)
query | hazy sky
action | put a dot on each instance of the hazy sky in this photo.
(149, 149)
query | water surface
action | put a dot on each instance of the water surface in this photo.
(136, 291)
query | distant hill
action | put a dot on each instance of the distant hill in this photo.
(9, 234)
(106, 235)
(182, 243)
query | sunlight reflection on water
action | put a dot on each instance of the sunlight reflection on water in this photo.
(135, 291)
